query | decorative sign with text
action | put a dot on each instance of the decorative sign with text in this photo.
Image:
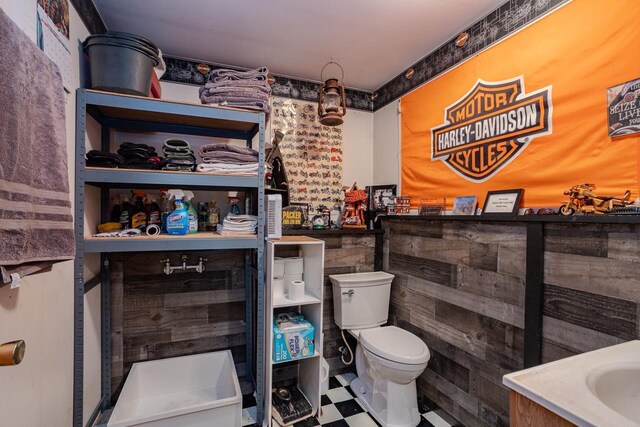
(623, 103)
(489, 126)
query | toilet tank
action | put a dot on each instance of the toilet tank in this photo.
(361, 300)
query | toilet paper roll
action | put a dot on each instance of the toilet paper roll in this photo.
(278, 288)
(293, 265)
(278, 268)
(296, 290)
(289, 278)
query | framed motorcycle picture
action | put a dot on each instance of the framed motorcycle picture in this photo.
(502, 202)
(381, 196)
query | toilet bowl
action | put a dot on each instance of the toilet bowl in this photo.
(388, 359)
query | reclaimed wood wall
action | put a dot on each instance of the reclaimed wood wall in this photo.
(460, 287)
(155, 316)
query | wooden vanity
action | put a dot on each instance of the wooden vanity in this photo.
(524, 412)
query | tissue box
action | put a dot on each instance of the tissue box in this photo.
(293, 337)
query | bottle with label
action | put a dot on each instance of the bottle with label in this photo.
(203, 217)
(116, 210)
(125, 214)
(193, 215)
(166, 207)
(214, 215)
(178, 220)
(139, 216)
(155, 216)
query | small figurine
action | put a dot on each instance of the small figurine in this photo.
(354, 207)
(582, 199)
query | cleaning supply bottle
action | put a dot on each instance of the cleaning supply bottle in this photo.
(116, 210)
(178, 220)
(203, 217)
(193, 214)
(214, 215)
(125, 214)
(155, 217)
(166, 207)
(139, 216)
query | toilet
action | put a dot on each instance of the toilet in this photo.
(388, 359)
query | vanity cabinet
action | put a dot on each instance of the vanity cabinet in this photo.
(527, 413)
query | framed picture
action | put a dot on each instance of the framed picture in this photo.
(465, 205)
(503, 202)
(381, 196)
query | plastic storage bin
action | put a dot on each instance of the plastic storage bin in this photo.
(197, 391)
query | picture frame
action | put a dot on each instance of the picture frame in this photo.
(380, 196)
(502, 202)
(465, 205)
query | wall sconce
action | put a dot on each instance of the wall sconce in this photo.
(332, 104)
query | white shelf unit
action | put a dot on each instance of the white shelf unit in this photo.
(309, 369)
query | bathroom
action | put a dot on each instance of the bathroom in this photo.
(438, 284)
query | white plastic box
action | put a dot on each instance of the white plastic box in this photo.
(197, 390)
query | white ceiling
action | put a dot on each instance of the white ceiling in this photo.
(374, 40)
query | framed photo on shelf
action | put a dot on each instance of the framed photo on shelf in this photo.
(465, 205)
(502, 202)
(381, 196)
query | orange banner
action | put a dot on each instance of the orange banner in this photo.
(530, 112)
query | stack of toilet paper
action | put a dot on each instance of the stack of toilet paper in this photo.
(287, 275)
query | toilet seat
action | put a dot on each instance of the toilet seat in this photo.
(395, 344)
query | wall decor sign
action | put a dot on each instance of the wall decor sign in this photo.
(503, 202)
(623, 102)
(465, 205)
(312, 154)
(489, 126)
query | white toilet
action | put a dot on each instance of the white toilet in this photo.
(388, 359)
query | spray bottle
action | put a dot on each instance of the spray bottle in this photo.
(178, 220)
(193, 214)
(139, 217)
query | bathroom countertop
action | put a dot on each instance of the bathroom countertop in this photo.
(569, 387)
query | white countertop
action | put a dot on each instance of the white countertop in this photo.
(566, 386)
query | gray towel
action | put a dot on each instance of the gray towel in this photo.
(255, 104)
(223, 74)
(263, 84)
(36, 225)
(248, 92)
(227, 157)
(221, 146)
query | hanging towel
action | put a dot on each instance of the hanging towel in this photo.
(36, 224)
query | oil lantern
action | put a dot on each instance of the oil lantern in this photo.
(332, 105)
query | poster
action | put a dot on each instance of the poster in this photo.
(312, 154)
(53, 36)
(529, 112)
(623, 102)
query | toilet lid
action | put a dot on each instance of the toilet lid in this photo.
(395, 344)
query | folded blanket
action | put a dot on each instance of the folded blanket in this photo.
(221, 146)
(263, 84)
(241, 91)
(36, 222)
(257, 104)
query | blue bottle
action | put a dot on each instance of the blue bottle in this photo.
(178, 220)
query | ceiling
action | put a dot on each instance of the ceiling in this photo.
(374, 40)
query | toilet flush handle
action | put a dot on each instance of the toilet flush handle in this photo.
(350, 292)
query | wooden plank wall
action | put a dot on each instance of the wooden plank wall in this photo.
(460, 287)
(155, 316)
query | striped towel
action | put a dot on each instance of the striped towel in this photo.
(36, 224)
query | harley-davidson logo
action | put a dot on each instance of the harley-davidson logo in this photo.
(489, 126)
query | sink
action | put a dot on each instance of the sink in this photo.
(618, 386)
(600, 388)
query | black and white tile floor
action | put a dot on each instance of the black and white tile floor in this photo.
(341, 408)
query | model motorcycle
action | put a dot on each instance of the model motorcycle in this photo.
(583, 200)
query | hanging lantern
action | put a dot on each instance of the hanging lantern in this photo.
(332, 105)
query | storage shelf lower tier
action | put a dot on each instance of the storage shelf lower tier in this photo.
(165, 242)
(316, 353)
(137, 178)
(282, 301)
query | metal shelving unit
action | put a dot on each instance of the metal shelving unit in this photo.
(132, 113)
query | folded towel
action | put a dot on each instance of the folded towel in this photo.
(228, 168)
(221, 146)
(257, 104)
(240, 91)
(222, 74)
(102, 159)
(227, 157)
(239, 224)
(263, 84)
(36, 224)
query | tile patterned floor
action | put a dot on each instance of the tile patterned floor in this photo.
(341, 408)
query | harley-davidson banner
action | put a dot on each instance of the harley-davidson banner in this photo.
(530, 112)
(489, 126)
